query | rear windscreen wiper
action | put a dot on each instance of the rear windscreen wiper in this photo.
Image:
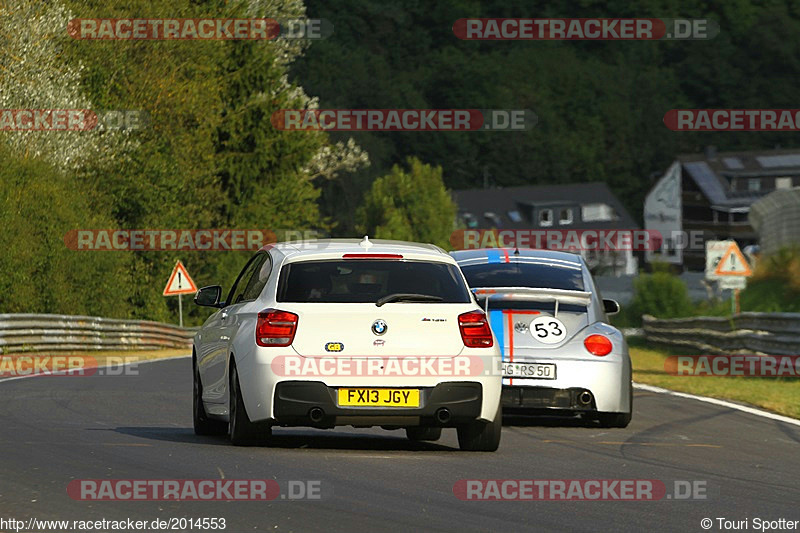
(407, 297)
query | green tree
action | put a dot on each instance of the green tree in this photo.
(210, 156)
(39, 204)
(600, 104)
(411, 205)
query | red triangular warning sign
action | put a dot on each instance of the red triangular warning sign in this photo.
(179, 282)
(733, 263)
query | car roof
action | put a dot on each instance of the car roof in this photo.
(511, 255)
(335, 248)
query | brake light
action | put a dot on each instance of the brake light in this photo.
(372, 256)
(598, 345)
(275, 328)
(475, 330)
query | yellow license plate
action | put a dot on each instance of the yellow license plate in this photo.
(379, 397)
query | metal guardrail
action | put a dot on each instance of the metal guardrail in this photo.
(745, 333)
(66, 333)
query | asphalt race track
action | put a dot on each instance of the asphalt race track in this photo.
(56, 429)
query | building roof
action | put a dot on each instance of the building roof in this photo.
(523, 199)
(714, 171)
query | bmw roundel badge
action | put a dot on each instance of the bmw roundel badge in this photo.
(379, 327)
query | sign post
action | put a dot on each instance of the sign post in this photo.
(180, 283)
(726, 264)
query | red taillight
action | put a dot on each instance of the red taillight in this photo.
(598, 345)
(275, 328)
(372, 256)
(475, 331)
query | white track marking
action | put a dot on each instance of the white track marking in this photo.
(722, 403)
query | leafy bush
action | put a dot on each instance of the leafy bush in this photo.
(661, 294)
(775, 285)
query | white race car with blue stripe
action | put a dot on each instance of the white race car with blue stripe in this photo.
(560, 355)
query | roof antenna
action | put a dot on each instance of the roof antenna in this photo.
(516, 249)
(366, 244)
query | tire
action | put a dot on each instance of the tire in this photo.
(202, 424)
(481, 436)
(416, 433)
(242, 431)
(617, 420)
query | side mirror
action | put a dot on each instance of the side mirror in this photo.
(208, 296)
(611, 307)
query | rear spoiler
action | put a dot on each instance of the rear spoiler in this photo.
(530, 294)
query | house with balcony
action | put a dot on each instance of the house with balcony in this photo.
(708, 196)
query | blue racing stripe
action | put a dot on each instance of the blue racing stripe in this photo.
(494, 257)
(496, 323)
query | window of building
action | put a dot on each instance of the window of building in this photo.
(546, 217)
(515, 216)
(754, 184)
(493, 218)
(597, 213)
(469, 220)
(565, 217)
(783, 183)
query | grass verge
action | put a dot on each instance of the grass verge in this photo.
(779, 395)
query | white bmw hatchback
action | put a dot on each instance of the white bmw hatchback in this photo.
(340, 332)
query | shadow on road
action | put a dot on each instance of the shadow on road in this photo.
(295, 438)
(548, 421)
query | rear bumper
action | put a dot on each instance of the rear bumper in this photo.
(263, 381)
(574, 400)
(608, 382)
(294, 401)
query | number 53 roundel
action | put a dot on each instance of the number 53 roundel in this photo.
(548, 330)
